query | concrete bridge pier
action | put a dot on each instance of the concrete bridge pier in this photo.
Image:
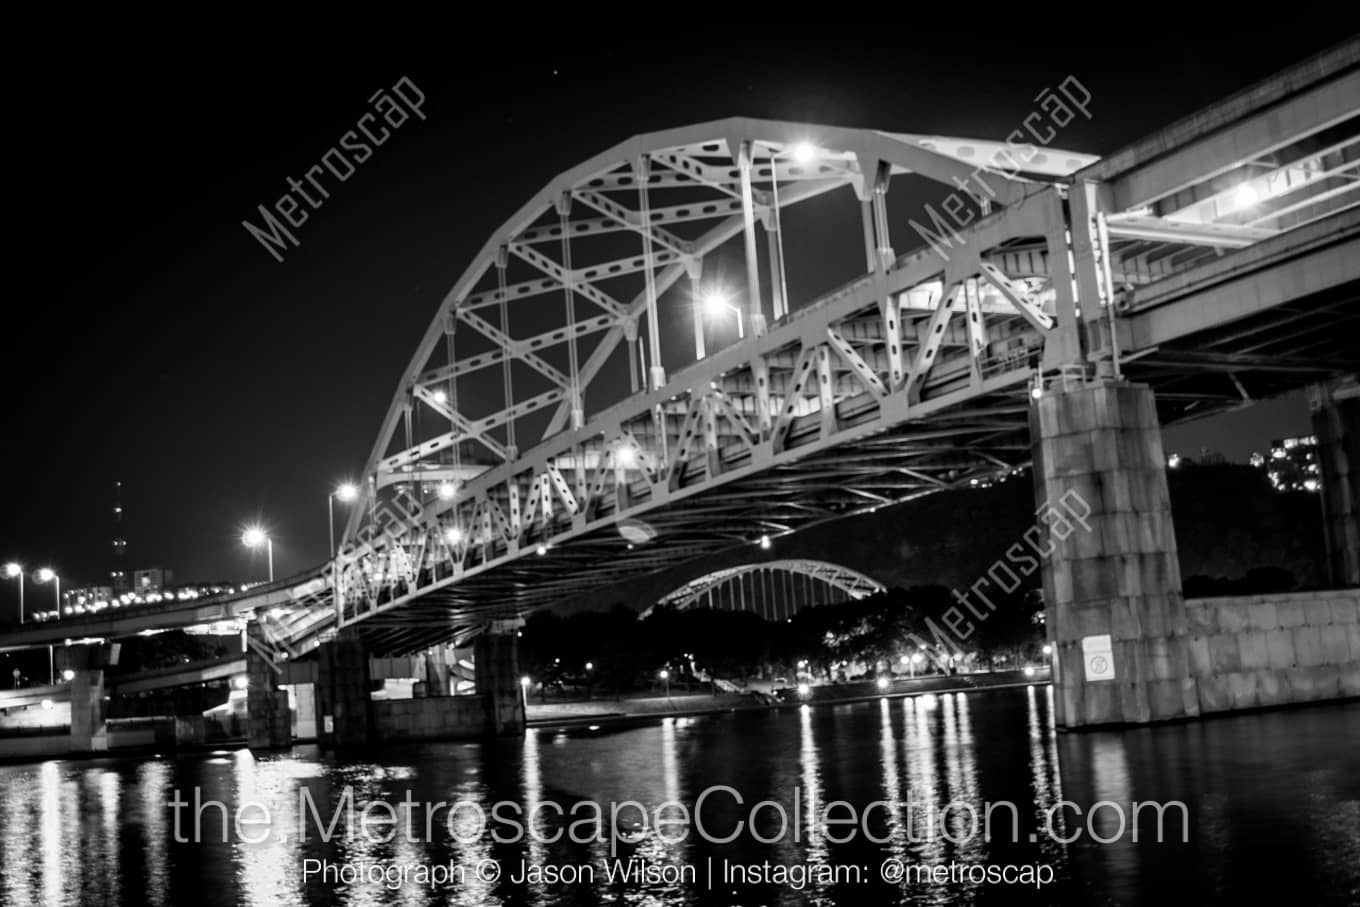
(496, 661)
(1112, 582)
(88, 731)
(344, 710)
(268, 718)
(1336, 423)
(436, 679)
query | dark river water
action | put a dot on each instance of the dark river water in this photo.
(1253, 809)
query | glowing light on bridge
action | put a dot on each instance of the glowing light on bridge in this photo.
(453, 535)
(347, 492)
(636, 532)
(45, 575)
(805, 152)
(254, 537)
(446, 491)
(12, 570)
(717, 304)
(1244, 196)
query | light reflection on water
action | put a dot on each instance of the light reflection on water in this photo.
(1273, 791)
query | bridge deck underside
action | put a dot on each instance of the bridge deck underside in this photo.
(1275, 352)
(947, 450)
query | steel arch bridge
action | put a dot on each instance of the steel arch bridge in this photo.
(571, 387)
(573, 416)
(794, 412)
(775, 590)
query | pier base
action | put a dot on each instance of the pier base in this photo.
(498, 678)
(1112, 583)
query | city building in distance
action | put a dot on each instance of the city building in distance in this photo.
(1292, 464)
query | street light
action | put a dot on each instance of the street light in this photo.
(804, 152)
(48, 575)
(346, 492)
(666, 678)
(16, 571)
(716, 304)
(254, 537)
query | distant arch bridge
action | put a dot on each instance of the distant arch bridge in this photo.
(775, 590)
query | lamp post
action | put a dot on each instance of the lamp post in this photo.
(666, 678)
(16, 571)
(254, 537)
(48, 575)
(347, 492)
(716, 304)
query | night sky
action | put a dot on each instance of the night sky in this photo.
(147, 338)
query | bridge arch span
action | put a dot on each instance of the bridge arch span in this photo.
(775, 590)
(630, 346)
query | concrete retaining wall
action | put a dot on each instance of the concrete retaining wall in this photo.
(35, 716)
(436, 718)
(1266, 650)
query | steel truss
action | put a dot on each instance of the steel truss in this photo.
(774, 589)
(913, 376)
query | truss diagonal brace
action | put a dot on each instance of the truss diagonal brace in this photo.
(1037, 317)
(633, 221)
(866, 375)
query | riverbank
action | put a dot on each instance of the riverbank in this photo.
(648, 708)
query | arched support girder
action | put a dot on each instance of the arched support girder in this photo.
(685, 160)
